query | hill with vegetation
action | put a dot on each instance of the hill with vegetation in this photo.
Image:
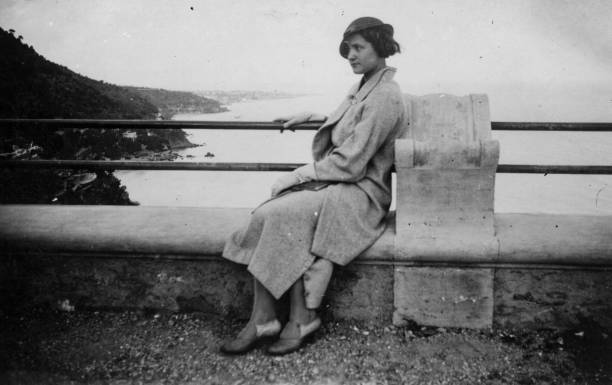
(171, 103)
(34, 87)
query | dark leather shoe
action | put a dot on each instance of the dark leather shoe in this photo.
(286, 345)
(242, 345)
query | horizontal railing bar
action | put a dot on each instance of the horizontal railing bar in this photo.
(253, 125)
(148, 165)
(553, 169)
(155, 124)
(221, 166)
(550, 126)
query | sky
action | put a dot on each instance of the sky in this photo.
(537, 59)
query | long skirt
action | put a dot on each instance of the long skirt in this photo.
(275, 245)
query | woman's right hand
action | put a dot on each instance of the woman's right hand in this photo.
(290, 121)
(284, 182)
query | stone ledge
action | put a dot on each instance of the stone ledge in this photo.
(529, 239)
(129, 230)
(554, 239)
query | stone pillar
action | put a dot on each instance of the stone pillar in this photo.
(445, 165)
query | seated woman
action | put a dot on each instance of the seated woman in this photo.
(328, 211)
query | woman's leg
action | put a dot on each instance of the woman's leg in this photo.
(263, 322)
(302, 322)
(316, 279)
(305, 294)
(298, 312)
(263, 310)
(263, 304)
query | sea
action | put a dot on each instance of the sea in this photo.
(514, 193)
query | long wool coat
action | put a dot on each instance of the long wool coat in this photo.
(354, 151)
(364, 129)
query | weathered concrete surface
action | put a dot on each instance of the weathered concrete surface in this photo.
(445, 297)
(442, 116)
(173, 285)
(552, 298)
(9, 281)
(361, 292)
(445, 168)
(188, 231)
(549, 238)
(519, 298)
(119, 229)
(194, 232)
(442, 216)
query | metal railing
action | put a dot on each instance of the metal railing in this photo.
(254, 125)
(265, 126)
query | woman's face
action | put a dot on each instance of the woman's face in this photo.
(362, 56)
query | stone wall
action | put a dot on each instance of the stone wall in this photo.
(209, 285)
(516, 297)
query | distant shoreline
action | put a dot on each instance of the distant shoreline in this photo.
(227, 98)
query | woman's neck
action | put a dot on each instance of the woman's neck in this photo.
(381, 64)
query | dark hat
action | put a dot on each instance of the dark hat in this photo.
(359, 25)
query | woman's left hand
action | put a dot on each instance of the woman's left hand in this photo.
(290, 121)
(284, 182)
(304, 117)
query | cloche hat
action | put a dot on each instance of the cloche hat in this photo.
(359, 25)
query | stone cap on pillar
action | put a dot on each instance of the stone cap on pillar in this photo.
(443, 116)
(445, 164)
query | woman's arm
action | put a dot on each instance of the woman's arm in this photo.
(317, 118)
(301, 174)
(348, 162)
(290, 121)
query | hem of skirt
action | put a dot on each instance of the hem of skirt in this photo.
(275, 293)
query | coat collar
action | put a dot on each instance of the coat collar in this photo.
(357, 94)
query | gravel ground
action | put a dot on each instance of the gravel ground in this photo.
(74, 347)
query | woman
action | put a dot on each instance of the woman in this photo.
(328, 211)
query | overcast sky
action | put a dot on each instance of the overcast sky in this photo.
(552, 53)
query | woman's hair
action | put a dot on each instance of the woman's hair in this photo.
(381, 39)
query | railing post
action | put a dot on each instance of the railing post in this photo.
(445, 168)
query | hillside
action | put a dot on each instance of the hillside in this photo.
(33, 87)
(173, 102)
